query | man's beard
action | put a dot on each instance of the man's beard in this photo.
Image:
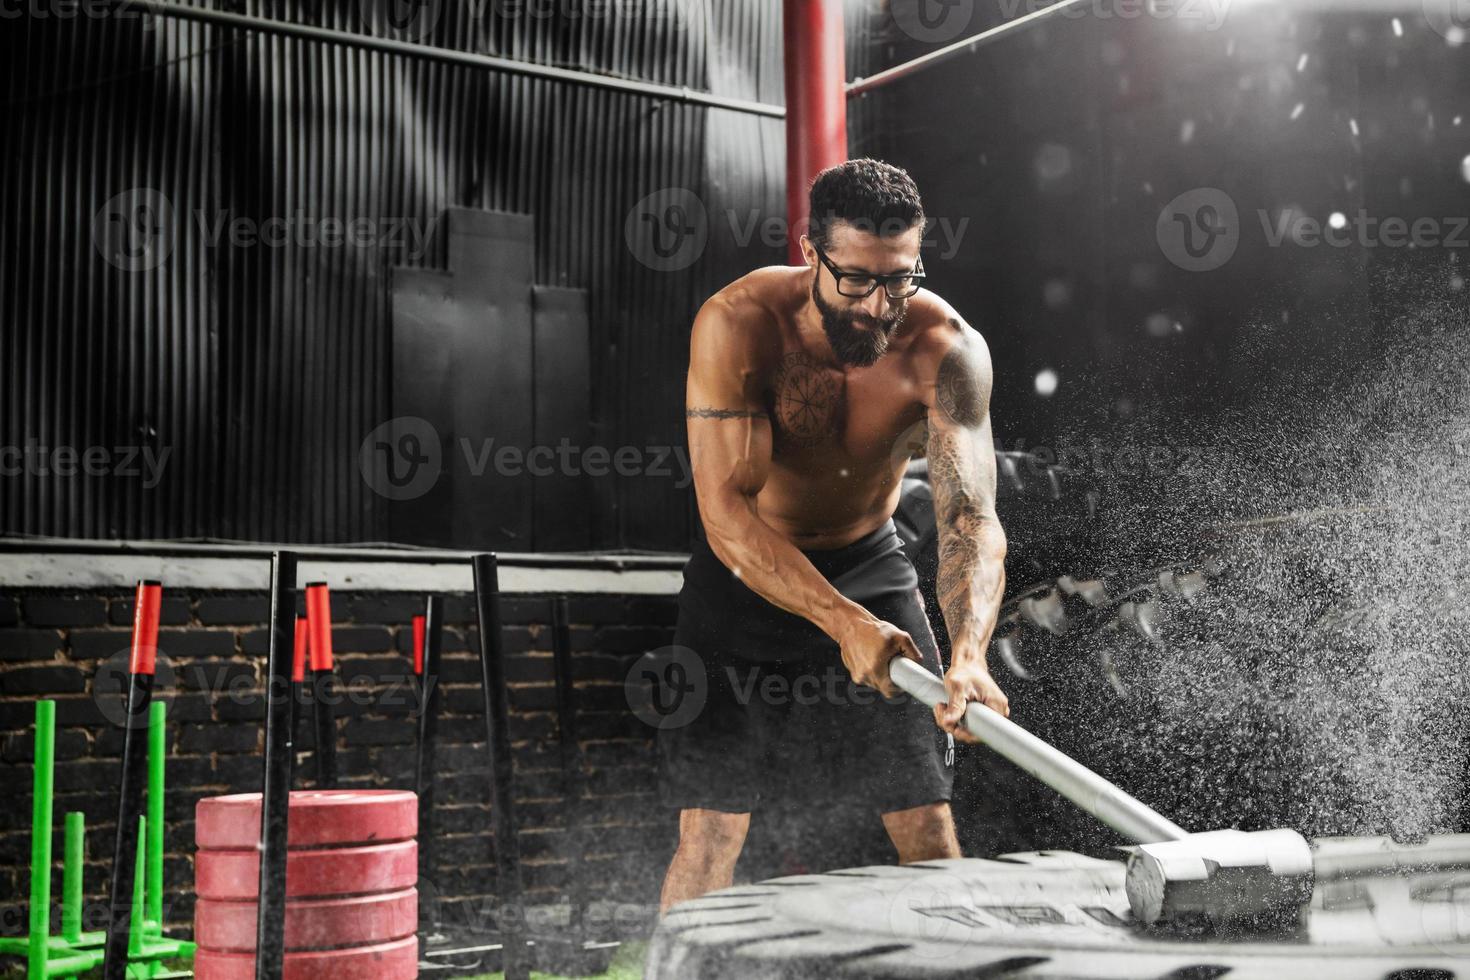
(859, 346)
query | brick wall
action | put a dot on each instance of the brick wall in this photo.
(57, 643)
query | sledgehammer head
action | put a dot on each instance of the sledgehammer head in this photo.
(1221, 877)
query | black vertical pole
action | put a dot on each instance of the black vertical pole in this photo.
(141, 664)
(299, 647)
(571, 754)
(502, 777)
(423, 780)
(270, 923)
(323, 690)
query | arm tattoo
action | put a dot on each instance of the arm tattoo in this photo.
(958, 392)
(722, 413)
(970, 580)
(969, 584)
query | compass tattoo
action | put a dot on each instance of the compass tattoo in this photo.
(807, 399)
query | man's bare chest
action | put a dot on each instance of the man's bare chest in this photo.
(818, 410)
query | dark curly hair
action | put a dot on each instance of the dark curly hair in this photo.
(868, 194)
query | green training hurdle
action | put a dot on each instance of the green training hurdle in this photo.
(75, 951)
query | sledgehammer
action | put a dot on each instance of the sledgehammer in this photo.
(1261, 877)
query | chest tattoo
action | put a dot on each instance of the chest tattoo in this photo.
(807, 399)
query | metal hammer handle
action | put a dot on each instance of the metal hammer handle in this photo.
(1129, 817)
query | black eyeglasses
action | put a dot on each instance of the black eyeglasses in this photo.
(860, 285)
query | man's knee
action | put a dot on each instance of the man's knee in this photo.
(712, 835)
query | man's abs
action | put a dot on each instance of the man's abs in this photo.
(822, 514)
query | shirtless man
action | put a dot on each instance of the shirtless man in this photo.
(806, 386)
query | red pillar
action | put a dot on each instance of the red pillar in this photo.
(816, 105)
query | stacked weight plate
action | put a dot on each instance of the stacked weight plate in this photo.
(351, 867)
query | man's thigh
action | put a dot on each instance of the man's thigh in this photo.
(711, 759)
(857, 746)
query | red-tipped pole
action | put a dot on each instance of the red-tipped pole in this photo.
(300, 644)
(319, 621)
(143, 658)
(319, 629)
(142, 662)
(298, 652)
(428, 632)
(418, 646)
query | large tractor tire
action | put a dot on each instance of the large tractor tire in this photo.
(1052, 914)
(1049, 514)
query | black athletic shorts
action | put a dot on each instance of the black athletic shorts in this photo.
(778, 716)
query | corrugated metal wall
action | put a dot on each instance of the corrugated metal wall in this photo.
(252, 373)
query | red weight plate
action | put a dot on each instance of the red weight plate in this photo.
(317, 818)
(314, 923)
(235, 875)
(386, 961)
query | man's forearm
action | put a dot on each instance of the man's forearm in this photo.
(775, 569)
(971, 581)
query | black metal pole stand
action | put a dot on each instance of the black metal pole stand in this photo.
(571, 760)
(130, 806)
(141, 664)
(517, 964)
(423, 780)
(270, 924)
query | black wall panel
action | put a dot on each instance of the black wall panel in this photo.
(562, 382)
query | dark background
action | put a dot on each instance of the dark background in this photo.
(262, 370)
(1064, 143)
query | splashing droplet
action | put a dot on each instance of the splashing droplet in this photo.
(1046, 382)
(1056, 294)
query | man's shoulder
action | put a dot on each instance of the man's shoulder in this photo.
(751, 309)
(937, 328)
(761, 292)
